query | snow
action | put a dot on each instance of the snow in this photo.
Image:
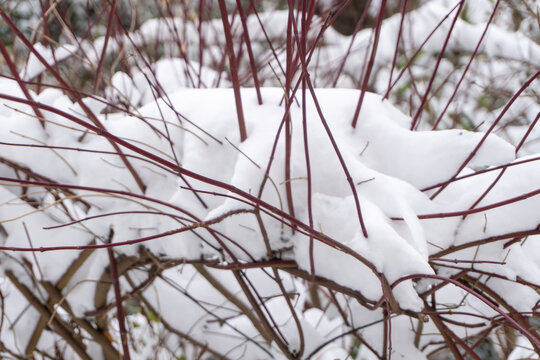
(395, 248)
(34, 66)
(409, 231)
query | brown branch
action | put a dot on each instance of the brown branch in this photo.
(487, 240)
(263, 320)
(98, 336)
(474, 283)
(60, 327)
(31, 173)
(216, 284)
(118, 299)
(60, 285)
(180, 334)
(330, 285)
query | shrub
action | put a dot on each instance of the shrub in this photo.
(239, 180)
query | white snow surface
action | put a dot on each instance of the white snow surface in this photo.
(388, 163)
(390, 167)
(34, 66)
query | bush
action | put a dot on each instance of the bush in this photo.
(207, 180)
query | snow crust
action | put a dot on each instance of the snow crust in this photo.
(395, 172)
(389, 163)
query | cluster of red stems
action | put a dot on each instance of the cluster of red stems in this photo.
(243, 70)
